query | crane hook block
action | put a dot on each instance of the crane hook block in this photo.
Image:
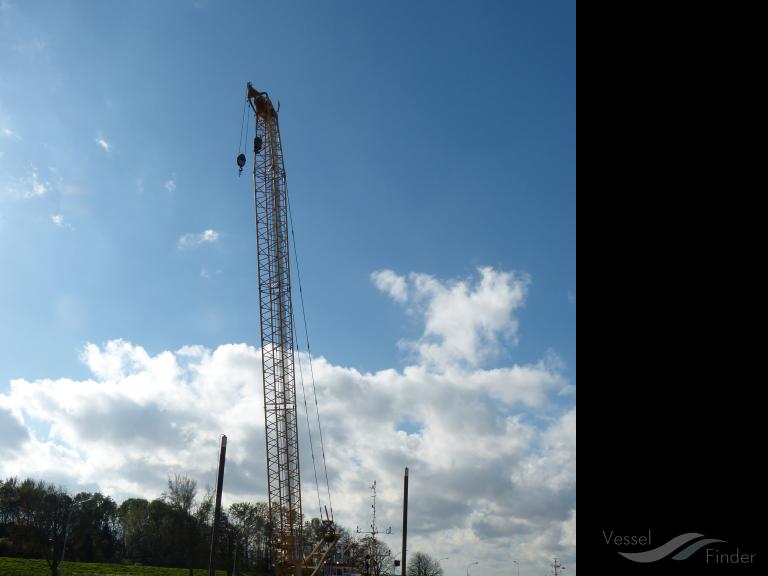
(240, 163)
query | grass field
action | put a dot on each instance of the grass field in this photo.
(27, 567)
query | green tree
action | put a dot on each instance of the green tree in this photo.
(41, 521)
(164, 534)
(9, 501)
(133, 518)
(249, 523)
(192, 514)
(93, 530)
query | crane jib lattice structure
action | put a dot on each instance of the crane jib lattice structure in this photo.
(277, 345)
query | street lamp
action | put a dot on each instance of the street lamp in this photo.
(66, 528)
(470, 564)
(518, 566)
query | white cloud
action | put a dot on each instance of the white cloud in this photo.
(32, 186)
(554, 468)
(466, 320)
(8, 132)
(392, 284)
(38, 188)
(12, 431)
(106, 146)
(208, 274)
(491, 457)
(135, 401)
(188, 241)
(170, 185)
(58, 220)
(568, 531)
(479, 473)
(35, 184)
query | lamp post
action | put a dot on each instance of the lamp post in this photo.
(66, 528)
(441, 559)
(518, 566)
(470, 564)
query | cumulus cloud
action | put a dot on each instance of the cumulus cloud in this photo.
(465, 320)
(12, 431)
(392, 284)
(491, 456)
(170, 184)
(188, 241)
(139, 411)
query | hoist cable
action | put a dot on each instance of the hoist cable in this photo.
(309, 355)
(309, 428)
(240, 142)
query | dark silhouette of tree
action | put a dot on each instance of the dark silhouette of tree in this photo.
(249, 528)
(371, 557)
(191, 514)
(93, 529)
(420, 564)
(39, 520)
(35, 515)
(133, 519)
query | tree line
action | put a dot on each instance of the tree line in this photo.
(42, 520)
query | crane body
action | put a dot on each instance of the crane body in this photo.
(277, 345)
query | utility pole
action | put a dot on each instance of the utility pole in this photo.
(369, 560)
(66, 527)
(557, 566)
(405, 520)
(217, 509)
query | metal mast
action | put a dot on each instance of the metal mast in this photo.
(280, 415)
(372, 562)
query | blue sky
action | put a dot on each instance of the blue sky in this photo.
(423, 141)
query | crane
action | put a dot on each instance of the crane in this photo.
(277, 346)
